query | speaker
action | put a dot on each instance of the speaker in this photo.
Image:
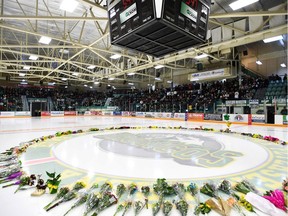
(41, 82)
(158, 74)
(245, 52)
(124, 82)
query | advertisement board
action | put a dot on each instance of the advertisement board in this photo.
(258, 118)
(117, 113)
(45, 113)
(195, 116)
(179, 116)
(70, 113)
(57, 113)
(215, 117)
(237, 118)
(23, 113)
(7, 114)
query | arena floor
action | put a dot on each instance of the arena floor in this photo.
(139, 155)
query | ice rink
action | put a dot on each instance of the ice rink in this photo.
(140, 156)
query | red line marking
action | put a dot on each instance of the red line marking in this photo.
(39, 161)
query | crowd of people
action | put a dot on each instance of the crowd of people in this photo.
(193, 96)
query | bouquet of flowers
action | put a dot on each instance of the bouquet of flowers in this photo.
(92, 202)
(63, 191)
(106, 187)
(233, 204)
(146, 191)
(182, 206)
(106, 200)
(40, 187)
(167, 208)
(67, 197)
(93, 187)
(163, 188)
(9, 170)
(225, 187)
(202, 208)
(120, 190)
(119, 208)
(156, 207)
(220, 206)
(192, 188)
(276, 197)
(245, 187)
(79, 202)
(53, 182)
(138, 207)
(209, 189)
(11, 177)
(132, 188)
(127, 206)
(179, 189)
(24, 181)
(243, 202)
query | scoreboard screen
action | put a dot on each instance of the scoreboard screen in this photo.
(189, 15)
(158, 27)
(127, 15)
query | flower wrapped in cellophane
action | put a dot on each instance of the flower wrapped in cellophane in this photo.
(106, 187)
(106, 200)
(192, 188)
(67, 197)
(145, 191)
(79, 202)
(219, 205)
(167, 208)
(156, 207)
(7, 171)
(276, 197)
(264, 205)
(232, 202)
(226, 187)
(243, 202)
(120, 208)
(91, 203)
(202, 208)
(138, 206)
(163, 188)
(285, 185)
(11, 177)
(59, 195)
(132, 188)
(179, 189)
(53, 182)
(182, 207)
(245, 187)
(120, 190)
(209, 189)
(127, 206)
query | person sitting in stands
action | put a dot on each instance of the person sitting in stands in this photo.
(284, 111)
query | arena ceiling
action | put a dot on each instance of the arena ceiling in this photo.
(81, 39)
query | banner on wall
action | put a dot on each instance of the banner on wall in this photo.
(237, 118)
(179, 116)
(7, 114)
(97, 113)
(23, 113)
(57, 113)
(215, 117)
(45, 113)
(117, 113)
(258, 118)
(196, 116)
(70, 113)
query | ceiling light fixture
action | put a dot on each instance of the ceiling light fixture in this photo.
(241, 3)
(45, 40)
(258, 62)
(130, 83)
(115, 56)
(91, 67)
(169, 81)
(131, 74)
(22, 74)
(75, 74)
(69, 5)
(96, 83)
(159, 66)
(111, 78)
(64, 51)
(64, 79)
(26, 67)
(283, 65)
(33, 57)
(272, 39)
(157, 78)
(85, 85)
(203, 55)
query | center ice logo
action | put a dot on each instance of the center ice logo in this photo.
(191, 150)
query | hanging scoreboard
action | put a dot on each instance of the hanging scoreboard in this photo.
(158, 27)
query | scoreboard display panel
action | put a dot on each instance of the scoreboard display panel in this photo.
(158, 27)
